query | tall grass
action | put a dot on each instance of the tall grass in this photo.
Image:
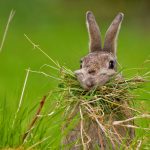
(46, 131)
(12, 13)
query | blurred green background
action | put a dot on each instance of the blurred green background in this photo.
(58, 26)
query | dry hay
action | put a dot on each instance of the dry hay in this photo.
(92, 117)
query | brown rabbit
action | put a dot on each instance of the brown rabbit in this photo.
(96, 69)
(100, 64)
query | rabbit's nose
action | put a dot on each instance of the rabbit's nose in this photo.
(78, 73)
(90, 84)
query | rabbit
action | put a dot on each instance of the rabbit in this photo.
(96, 69)
(100, 64)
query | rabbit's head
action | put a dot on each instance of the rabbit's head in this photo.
(100, 64)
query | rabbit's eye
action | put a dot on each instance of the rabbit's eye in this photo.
(81, 64)
(92, 72)
(111, 64)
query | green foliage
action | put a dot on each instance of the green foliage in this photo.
(59, 27)
(47, 133)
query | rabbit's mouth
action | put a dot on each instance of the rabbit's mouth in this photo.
(89, 83)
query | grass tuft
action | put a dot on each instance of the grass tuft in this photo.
(107, 107)
(68, 108)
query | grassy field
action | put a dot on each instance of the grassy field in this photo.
(64, 38)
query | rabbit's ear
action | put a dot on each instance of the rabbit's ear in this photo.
(94, 33)
(111, 36)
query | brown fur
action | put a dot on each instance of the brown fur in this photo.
(97, 61)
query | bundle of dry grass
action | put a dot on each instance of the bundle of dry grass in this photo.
(101, 117)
